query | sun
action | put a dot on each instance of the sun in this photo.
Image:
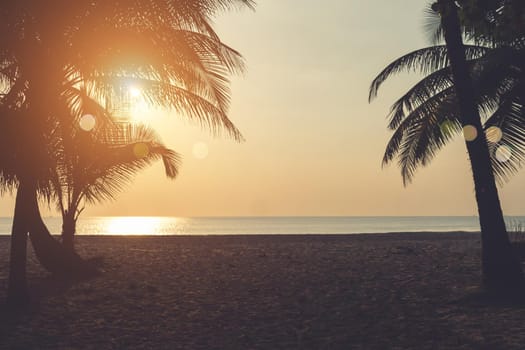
(135, 91)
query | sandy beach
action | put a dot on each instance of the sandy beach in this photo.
(383, 291)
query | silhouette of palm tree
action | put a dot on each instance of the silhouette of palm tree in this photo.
(58, 66)
(427, 116)
(100, 164)
(446, 101)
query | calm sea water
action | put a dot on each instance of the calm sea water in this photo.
(133, 225)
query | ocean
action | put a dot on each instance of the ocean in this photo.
(151, 225)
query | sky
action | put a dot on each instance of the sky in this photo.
(313, 142)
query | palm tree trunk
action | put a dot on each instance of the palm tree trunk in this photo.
(17, 285)
(53, 256)
(49, 252)
(500, 268)
(68, 230)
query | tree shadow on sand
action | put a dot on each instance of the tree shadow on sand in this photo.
(12, 314)
(480, 298)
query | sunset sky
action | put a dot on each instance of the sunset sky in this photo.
(313, 143)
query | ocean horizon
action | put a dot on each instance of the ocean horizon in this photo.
(243, 225)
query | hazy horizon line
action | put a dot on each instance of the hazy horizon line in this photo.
(274, 216)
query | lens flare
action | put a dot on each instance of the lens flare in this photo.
(200, 150)
(470, 133)
(503, 153)
(494, 134)
(141, 150)
(447, 128)
(87, 122)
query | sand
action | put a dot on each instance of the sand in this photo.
(387, 291)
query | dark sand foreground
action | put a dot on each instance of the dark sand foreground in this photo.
(394, 291)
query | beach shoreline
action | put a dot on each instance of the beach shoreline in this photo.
(359, 291)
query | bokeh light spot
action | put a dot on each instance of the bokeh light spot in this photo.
(447, 128)
(200, 150)
(494, 134)
(503, 153)
(87, 122)
(470, 133)
(140, 150)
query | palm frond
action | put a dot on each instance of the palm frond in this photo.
(122, 151)
(423, 132)
(171, 96)
(510, 119)
(167, 46)
(432, 26)
(419, 94)
(193, 62)
(423, 61)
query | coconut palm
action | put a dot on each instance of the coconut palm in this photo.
(98, 169)
(427, 116)
(443, 103)
(57, 66)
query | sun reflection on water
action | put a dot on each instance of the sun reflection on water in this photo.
(134, 225)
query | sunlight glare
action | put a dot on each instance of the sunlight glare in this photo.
(87, 122)
(140, 111)
(135, 91)
(133, 225)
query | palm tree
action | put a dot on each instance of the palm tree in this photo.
(98, 168)
(60, 65)
(442, 103)
(427, 116)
